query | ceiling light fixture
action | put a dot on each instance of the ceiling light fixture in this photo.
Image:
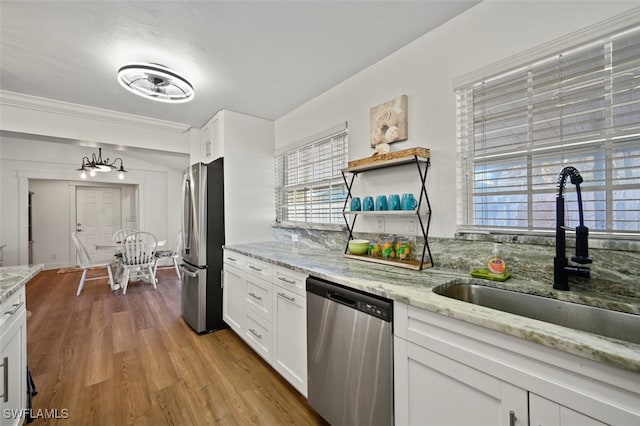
(97, 164)
(157, 82)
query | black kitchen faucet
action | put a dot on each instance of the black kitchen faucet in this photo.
(561, 268)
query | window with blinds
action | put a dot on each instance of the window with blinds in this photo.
(309, 183)
(517, 131)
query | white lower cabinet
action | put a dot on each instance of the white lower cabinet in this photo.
(266, 306)
(232, 297)
(290, 337)
(441, 391)
(449, 372)
(13, 359)
(258, 297)
(256, 331)
(548, 413)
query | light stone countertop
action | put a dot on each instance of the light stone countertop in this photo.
(12, 278)
(415, 288)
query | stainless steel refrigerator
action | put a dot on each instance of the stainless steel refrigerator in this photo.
(203, 238)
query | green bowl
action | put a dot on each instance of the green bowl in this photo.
(359, 246)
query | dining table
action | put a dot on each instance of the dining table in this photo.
(116, 263)
(116, 246)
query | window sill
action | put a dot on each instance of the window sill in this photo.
(311, 225)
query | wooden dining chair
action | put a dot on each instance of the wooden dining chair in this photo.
(86, 262)
(173, 254)
(138, 258)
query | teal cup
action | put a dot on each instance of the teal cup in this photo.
(367, 204)
(394, 202)
(409, 202)
(381, 203)
(355, 204)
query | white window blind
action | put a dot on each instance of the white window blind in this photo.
(309, 183)
(517, 131)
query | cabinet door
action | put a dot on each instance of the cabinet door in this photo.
(212, 146)
(543, 412)
(13, 371)
(437, 390)
(290, 337)
(232, 298)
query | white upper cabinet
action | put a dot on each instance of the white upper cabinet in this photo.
(212, 139)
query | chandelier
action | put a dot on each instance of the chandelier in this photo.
(156, 82)
(97, 164)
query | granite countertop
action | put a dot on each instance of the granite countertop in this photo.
(415, 288)
(12, 278)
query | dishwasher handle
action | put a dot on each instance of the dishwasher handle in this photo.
(341, 299)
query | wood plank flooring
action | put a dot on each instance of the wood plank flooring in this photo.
(113, 359)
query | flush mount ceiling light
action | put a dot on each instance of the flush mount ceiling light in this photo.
(157, 82)
(97, 164)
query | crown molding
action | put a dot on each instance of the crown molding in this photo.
(19, 100)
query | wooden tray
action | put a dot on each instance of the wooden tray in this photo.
(405, 153)
(408, 264)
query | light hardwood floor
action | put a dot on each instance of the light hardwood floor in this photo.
(110, 359)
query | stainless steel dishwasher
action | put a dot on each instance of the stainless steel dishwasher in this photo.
(349, 354)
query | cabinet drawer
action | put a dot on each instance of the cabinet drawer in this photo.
(258, 296)
(257, 333)
(11, 309)
(291, 280)
(235, 259)
(259, 268)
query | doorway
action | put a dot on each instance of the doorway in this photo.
(98, 216)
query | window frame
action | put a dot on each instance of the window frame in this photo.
(466, 157)
(317, 188)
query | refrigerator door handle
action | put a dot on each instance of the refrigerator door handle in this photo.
(187, 214)
(188, 271)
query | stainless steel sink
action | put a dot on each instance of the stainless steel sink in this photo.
(605, 322)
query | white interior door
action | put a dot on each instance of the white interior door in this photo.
(98, 216)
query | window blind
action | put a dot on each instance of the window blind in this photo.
(309, 184)
(518, 130)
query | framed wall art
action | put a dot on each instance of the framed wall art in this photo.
(389, 122)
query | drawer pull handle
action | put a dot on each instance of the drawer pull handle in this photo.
(255, 333)
(291, 299)
(232, 259)
(255, 268)
(286, 280)
(5, 374)
(255, 296)
(14, 308)
(512, 418)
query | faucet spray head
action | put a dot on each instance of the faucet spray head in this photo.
(573, 174)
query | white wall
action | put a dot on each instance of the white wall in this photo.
(249, 179)
(53, 217)
(50, 215)
(1, 240)
(159, 176)
(39, 116)
(424, 70)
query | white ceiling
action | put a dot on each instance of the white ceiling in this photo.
(262, 58)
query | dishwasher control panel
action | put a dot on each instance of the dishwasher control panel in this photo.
(376, 311)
